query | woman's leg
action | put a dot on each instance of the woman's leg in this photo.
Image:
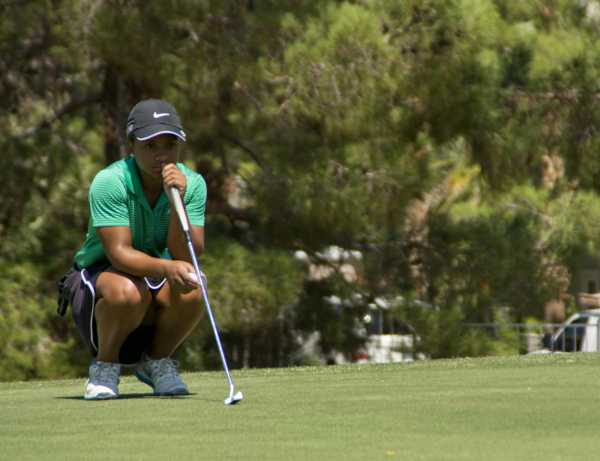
(122, 303)
(175, 316)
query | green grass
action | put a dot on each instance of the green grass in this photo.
(509, 408)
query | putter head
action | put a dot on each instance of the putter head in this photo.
(233, 399)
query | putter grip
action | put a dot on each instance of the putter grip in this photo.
(179, 209)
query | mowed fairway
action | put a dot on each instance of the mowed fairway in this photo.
(511, 408)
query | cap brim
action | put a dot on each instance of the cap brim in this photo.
(148, 132)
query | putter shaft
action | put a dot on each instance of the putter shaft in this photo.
(186, 231)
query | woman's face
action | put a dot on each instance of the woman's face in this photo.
(152, 155)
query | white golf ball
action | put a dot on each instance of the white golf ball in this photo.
(193, 276)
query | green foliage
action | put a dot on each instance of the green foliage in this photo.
(27, 350)
(250, 287)
(330, 308)
(493, 262)
(440, 333)
(417, 133)
(251, 294)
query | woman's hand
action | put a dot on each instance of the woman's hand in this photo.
(174, 177)
(178, 276)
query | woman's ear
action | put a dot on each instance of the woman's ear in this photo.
(129, 148)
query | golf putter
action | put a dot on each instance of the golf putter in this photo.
(233, 397)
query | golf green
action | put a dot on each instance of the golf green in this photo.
(539, 407)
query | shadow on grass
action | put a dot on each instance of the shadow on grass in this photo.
(142, 396)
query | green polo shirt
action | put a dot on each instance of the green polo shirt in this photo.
(117, 199)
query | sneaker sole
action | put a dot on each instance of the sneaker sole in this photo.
(105, 396)
(143, 377)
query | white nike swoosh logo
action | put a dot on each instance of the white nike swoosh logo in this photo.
(160, 115)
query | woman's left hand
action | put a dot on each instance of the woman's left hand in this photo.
(173, 176)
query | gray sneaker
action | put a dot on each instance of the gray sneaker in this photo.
(161, 375)
(104, 381)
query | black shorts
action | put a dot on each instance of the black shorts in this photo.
(80, 290)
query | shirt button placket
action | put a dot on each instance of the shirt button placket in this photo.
(150, 232)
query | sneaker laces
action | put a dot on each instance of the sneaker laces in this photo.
(167, 366)
(103, 372)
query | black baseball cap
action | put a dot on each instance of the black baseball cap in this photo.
(154, 117)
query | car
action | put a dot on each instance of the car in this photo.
(578, 334)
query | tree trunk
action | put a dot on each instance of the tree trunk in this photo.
(120, 93)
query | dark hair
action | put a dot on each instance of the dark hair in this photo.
(131, 138)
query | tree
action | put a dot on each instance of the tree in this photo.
(438, 139)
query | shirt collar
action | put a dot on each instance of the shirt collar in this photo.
(132, 177)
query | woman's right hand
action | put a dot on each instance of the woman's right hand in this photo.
(178, 276)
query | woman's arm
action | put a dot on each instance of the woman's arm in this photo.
(176, 244)
(117, 245)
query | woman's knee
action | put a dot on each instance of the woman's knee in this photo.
(193, 303)
(126, 292)
(183, 307)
